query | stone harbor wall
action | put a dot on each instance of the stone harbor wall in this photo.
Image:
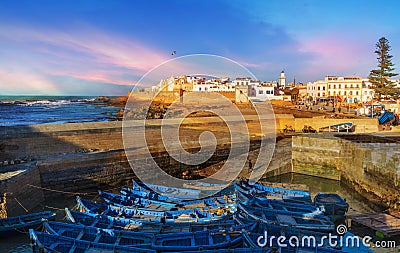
(43, 161)
(370, 164)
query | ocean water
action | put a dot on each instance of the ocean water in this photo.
(29, 110)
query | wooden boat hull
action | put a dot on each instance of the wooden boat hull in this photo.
(203, 240)
(189, 215)
(105, 221)
(332, 203)
(276, 190)
(101, 235)
(278, 205)
(210, 201)
(43, 242)
(172, 192)
(123, 200)
(321, 244)
(320, 223)
(21, 224)
(343, 127)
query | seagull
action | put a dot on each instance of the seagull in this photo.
(173, 53)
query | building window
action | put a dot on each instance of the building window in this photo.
(351, 85)
(345, 86)
(356, 93)
(329, 86)
(340, 86)
(329, 93)
(323, 88)
(344, 93)
(260, 92)
(319, 94)
(319, 88)
(350, 93)
(199, 88)
(334, 86)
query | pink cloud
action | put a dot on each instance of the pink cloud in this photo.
(341, 54)
(15, 82)
(86, 53)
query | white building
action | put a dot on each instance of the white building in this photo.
(214, 85)
(239, 81)
(261, 92)
(282, 80)
(349, 89)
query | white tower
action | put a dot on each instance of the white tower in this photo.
(282, 80)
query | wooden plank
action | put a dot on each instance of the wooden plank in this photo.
(381, 222)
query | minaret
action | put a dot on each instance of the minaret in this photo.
(282, 80)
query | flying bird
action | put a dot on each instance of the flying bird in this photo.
(173, 53)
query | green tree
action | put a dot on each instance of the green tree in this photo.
(380, 77)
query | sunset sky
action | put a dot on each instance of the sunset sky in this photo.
(104, 47)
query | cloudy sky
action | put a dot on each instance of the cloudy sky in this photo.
(104, 47)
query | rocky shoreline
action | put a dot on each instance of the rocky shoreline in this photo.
(114, 101)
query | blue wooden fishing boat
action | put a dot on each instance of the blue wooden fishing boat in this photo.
(342, 127)
(109, 222)
(287, 231)
(101, 235)
(275, 190)
(317, 223)
(124, 200)
(278, 205)
(188, 215)
(215, 202)
(173, 192)
(21, 224)
(320, 244)
(332, 203)
(143, 193)
(293, 196)
(203, 186)
(197, 241)
(125, 212)
(44, 242)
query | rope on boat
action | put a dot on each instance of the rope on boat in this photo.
(55, 208)
(26, 210)
(39, 227)
(65, 192)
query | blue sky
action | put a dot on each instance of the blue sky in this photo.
(104, 47)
